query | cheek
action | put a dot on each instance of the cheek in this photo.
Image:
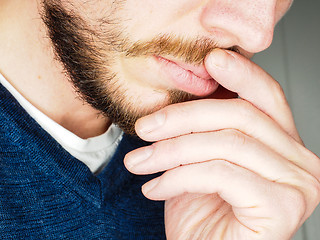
(145, 18)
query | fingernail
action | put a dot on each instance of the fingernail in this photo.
(149, 186)
(139, 156)
(151, 123)
(220, 59)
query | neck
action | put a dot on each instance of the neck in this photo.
(28, 62)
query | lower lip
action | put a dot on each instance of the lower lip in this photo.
(185, 80)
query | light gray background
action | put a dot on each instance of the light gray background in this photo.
(293, 60)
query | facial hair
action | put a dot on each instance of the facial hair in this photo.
(87, 57)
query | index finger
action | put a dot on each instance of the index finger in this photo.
(238, 74)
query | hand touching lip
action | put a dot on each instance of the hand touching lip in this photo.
(187, 77)
(198, 70)
(235, 167)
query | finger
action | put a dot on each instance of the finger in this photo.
(250, 195)
(212, 115)
(230, 145)
(238, 74)
(216, 176)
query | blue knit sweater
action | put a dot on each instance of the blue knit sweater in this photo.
(45, 193)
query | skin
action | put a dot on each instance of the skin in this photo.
(46, 85)
(241, 172)
(40, 79)
(234, 168)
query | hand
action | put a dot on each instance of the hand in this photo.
(236, 168)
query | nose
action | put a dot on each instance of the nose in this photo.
(245, 23)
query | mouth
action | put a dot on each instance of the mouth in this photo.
(190, 78)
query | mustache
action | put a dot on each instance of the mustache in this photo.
(190, 51)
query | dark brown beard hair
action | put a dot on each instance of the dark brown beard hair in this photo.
(82, 53)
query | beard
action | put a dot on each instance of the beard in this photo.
(88, 54)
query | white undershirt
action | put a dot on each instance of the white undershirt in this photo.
(95, 152)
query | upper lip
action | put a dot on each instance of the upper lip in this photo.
(198, 70)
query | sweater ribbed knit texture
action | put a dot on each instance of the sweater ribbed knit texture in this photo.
(45, 193)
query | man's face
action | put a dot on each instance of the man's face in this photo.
(129, 58)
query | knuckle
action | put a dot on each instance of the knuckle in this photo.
(299, 201)
(221, 168)
(313, 187)
(278, 94)
(217, 166)
(305, 193)
(293, 209)
(235, 138)
(245, 111)
(295, 206)
(309, 181)
(313, 160)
